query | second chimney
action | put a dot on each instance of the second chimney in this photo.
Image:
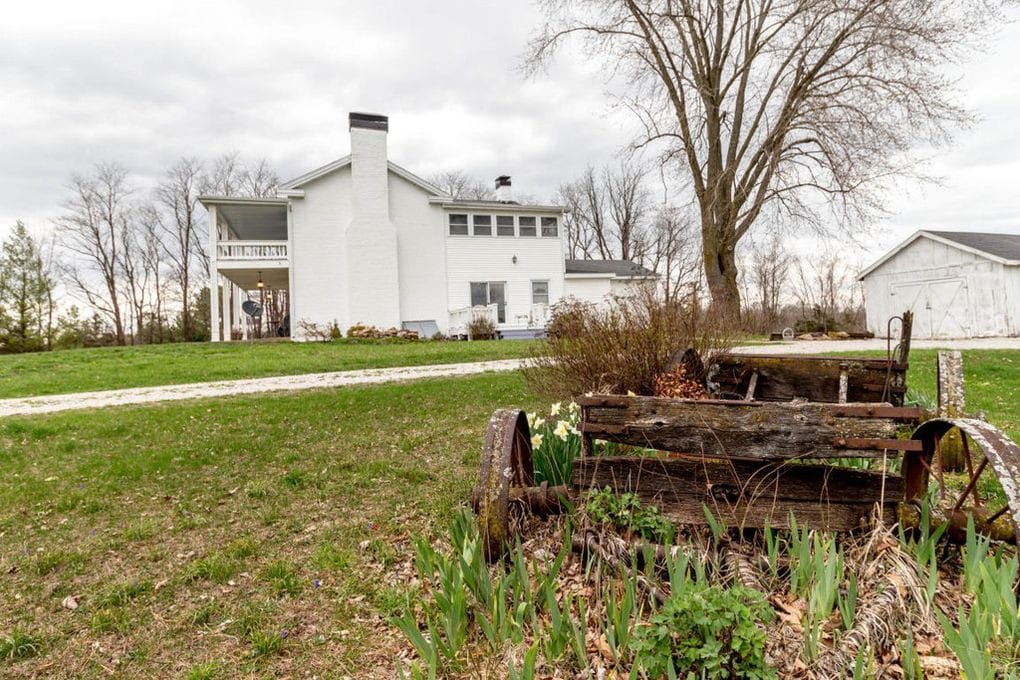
(503, 192)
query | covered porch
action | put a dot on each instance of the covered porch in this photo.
(250, 245)
(269, 289)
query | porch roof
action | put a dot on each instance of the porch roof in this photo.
(259, 219)
(247, 279)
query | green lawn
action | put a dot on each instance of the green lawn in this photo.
(261, 535)
(258, 535)
(108, 368)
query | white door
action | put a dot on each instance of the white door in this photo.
(940, 307)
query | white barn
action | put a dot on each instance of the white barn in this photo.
(958, 284)
(361, 240)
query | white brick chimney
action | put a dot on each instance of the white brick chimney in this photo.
(504, 194)
(372, 269)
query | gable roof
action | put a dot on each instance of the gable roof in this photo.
(339, 163)
(621, 268)
(1003, 248)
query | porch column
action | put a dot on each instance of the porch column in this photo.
(228, 299)
(242, 317)
(214, 278)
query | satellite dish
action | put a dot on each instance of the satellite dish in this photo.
(252, 308)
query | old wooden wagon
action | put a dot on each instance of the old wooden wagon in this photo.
(762, 450)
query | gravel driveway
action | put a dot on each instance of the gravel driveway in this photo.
(148, 395)
(223, 388)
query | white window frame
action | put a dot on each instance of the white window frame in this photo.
(542, 227)
(547, 294)
(533, 226)
(449, 224)
(492, 225)
(513, 227)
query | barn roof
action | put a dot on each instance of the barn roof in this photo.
(1004, 248)
(623, 268)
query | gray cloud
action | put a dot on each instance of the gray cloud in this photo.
(145, 83)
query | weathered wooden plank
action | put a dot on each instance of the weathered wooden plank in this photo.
(746, 493)
(733, 429)
(814, 378)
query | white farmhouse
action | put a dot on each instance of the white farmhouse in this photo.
(958, 284)
(362, 240)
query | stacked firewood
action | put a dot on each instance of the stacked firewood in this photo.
(363, 331)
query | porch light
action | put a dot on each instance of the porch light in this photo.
(259, 284)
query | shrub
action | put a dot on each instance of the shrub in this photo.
(707, 632)
(481, 328)
(624, 345)
(626, 512)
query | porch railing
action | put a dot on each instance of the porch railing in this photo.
(460, 319)
(251, 250)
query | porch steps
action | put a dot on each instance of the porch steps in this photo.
(522, 334)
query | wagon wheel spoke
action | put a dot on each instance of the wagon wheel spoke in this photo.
(990, 477)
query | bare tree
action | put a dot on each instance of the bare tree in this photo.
(230, 175)
(768, 273)
(608, 214)
(183, 233)
(460, 185)
(91, 230)
(827, 291)
(134, 271)
(773, 104)
(675, 254)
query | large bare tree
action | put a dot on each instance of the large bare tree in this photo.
(183, 232)
(777, 105)
(91, 229)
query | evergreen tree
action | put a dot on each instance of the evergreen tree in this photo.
(26, 294)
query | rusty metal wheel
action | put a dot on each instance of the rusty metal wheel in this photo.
(506, 463)
(988, 487)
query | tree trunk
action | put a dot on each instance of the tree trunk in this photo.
(721, 273)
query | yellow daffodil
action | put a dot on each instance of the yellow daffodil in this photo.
(573, 407)
(531, 420)
(536, 441)
(562, 430)
(555, 409)
(539, 422)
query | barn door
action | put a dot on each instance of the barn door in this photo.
(948, 304)
(940, 307)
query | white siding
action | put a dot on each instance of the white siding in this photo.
(421, 247)
(590, 288)
(318, 257)
(481, 258)
(953, 293)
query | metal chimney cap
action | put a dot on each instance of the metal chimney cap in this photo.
(370, 121)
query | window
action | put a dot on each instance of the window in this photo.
(458, 225)
(549, 227)
(527, 225)
(539, 292)
(482, 225)
(504, 225)
(490, 293)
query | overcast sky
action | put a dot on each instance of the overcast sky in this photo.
(143, 83)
